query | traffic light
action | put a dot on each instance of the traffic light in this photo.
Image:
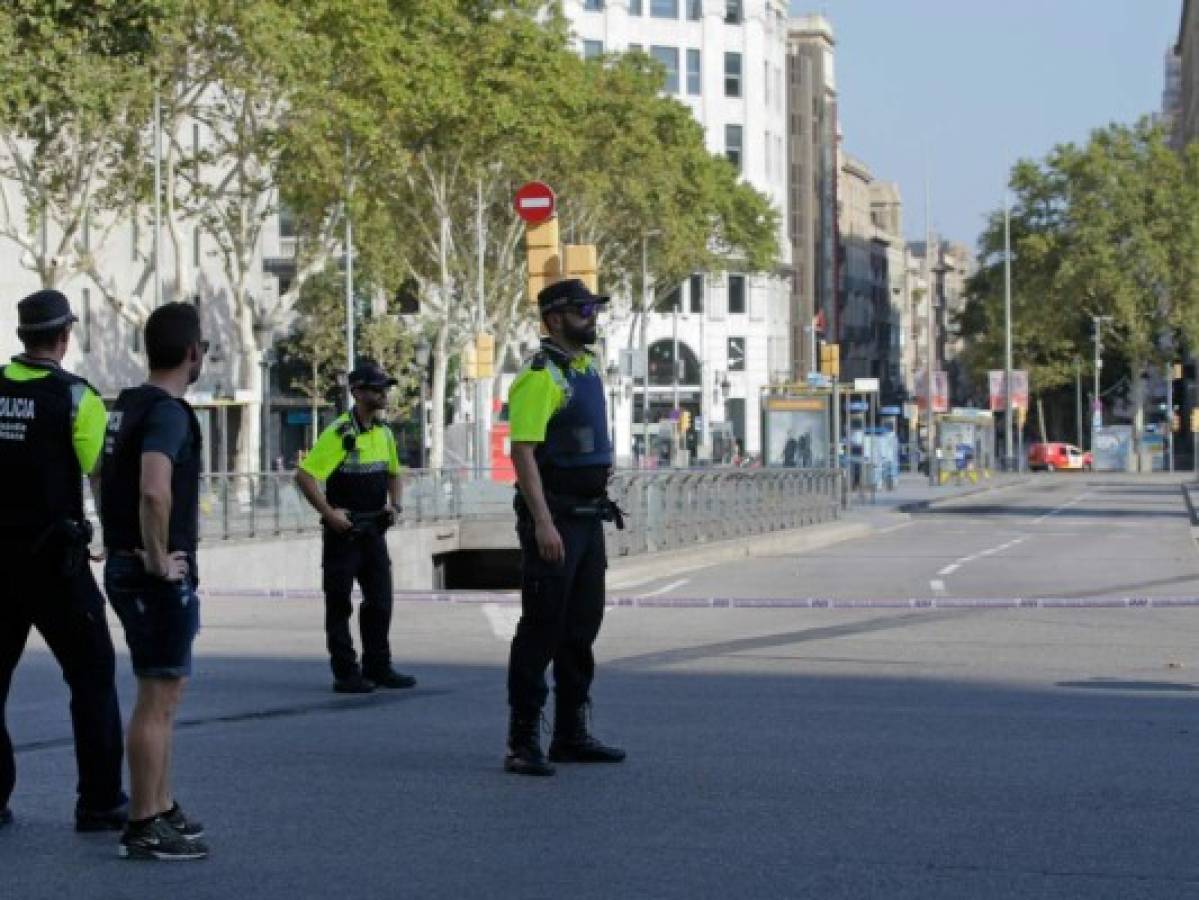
(684, 420)
(484, 355)
(830, 361)
(470, 361)
(544, 256)
(580, 262)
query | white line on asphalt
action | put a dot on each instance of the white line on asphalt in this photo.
(949, 570)
(937, 585)
(502, 620)
(667, 588)
(1054, 512)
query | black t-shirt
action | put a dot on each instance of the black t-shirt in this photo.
(168, 431)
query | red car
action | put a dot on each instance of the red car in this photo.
(1057, 455)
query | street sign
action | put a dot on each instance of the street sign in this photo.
(866, 385)
(534, 202)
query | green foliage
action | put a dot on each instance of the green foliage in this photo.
(1108, 229)
(318, 343)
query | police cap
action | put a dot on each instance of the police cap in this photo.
(370, 374)
(570, 292)
(42, 311)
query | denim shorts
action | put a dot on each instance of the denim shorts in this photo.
(161, 618)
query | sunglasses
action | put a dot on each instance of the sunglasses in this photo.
(586, 310)
(372, 388)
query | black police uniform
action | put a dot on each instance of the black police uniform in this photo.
(47, 582)
(358, 483)
(562, 605)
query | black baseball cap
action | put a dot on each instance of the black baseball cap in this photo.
(370, 374)
(42, 311)
(570, 292)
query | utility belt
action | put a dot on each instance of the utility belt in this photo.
(70, 538)
(602, 507)
(369, 524)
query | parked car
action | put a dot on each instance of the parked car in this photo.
(1058, 455)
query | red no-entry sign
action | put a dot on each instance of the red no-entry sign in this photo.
(534, 202)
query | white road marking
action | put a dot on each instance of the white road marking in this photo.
(1064, 506)
(937, 585)
(949, 570)
(667, 588)
(502, 620)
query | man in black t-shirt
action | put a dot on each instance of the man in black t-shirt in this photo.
(149, 507)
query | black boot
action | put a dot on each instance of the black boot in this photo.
(574, 743)
(524, 746)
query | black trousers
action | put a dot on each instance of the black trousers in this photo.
(69, 614)
(562, 608)
(362, 558)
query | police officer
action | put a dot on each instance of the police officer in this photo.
(356, 458)
(563, 460)
(51, 433)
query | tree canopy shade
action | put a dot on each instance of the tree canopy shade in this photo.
(1107, 229)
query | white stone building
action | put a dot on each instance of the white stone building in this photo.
(726, 60)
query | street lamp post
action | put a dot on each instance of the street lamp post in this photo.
(1097, 404)
(613, 373)
(644, 342)
(422, 352)
(1007, 334)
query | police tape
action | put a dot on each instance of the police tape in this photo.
(467, 598)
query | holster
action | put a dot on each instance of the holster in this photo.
(603, 507)
(371, 523)
(69, 540)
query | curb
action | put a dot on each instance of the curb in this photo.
(917, 506)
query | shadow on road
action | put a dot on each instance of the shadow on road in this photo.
(747, 777)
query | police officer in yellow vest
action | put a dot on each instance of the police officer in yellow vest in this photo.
(356, 459)
(563, 460)
(51, 434)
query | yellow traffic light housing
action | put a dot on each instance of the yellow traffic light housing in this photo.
(484, 355)
(544, 256)
(830, 361)
(581, 262)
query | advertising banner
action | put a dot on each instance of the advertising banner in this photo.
(940, 390)
(995, 381)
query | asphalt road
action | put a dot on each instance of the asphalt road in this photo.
(774, 752)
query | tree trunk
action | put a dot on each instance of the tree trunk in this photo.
(1138, 414)
(437, 417)
(1041, 417)
(249, 436)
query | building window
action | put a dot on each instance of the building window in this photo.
(732, 12)
(697, 293)
(635, 8)
(732, 145)
(736, 361)
(135, 337)
(196, 246)
(767, 138)
(694, 73)
(593, 49)
(669, 58)
(594, 5)
(664, 9)
(85, 321)
(695, 10)
(732, 74)
(671, 300)
(736, 295)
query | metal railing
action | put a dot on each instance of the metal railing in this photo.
(666, 509)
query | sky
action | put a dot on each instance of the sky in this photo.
(974, 85)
